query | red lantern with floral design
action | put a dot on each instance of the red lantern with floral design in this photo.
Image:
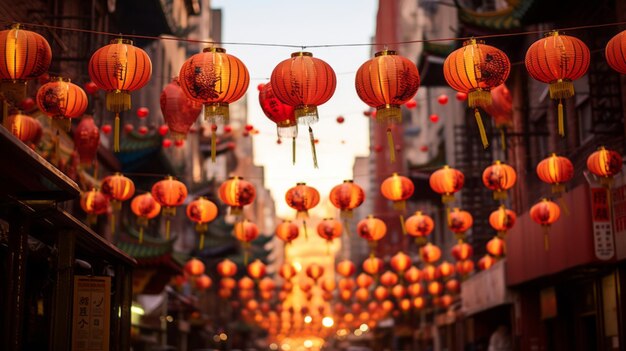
(555, 170)
(179, 111)
(499, 178)
(346, 197)
(94, 203)
(545, 213)
(145, 207)
(459, 222)
(201, 211)
(169, 193)
(502, 220)
(605, 164)
(447, 181)
(62, 99)
(236, 193)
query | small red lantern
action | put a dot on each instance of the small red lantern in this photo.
(94, 203)
(287, 231)
(447, 181)
(87, 140)
(545, 213)
(203, 282)
(314, 271)
(245, 283)
(226, 268)
(346, 284)
(381, 293)
(194, 267)
(442, 99)
(373, 265)
(346, 197)
(400, 262)
(555, 170)
(605, 164)
(256, 269)
(502, 220)
(329, 229)
(169, 193)
(496, 247)
(328, 285)
(143, 112)
(398, 291)
(287, 271)
(389, 279)
(465, 267)
(397, 189)
(486, 262)
(340, 119)
(453, 286)
(419, 226)
(499, 178)
(201, 211)
(179, 111)
(445, 270)
(302, 198)
(430, 253)
(346, 268)
(91, 88)
(145, 207)
(435, 288)
(371, 229)
(434, 118)
(281, 114)
(459, 222)
(415, 290)
(462, 251)
(412, 275)
(236, 193)
(460, 96)
(25, 128)
(429, 273)
(227, 283)
(411, 104)
(364, 281)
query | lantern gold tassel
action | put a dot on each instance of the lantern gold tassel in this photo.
(201, 246)
(246, 246)
(546, 242)
(560, 119)
(306, 234)
(141, 234)
(502, 139)
(346, 226)
(392, 148)
(116, 133)
(167, 229)
(213, 145)
(293, 150)
(402, 224)
(313, 147)
(481, 129)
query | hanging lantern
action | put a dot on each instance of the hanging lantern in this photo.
(119, 68)
(226, 268)
(256, 269)
(169, 193)
(329, 229)
(145, 207)
(615, 52)
(412, 275)
(419, 226)
(203, 282)
(502, 220)
(266, 284)
(605, 164)
(287, 271)
(486, 262)
(558, 60)
(398, 291)
(435, 288)
(447, 181)
(27, 55)
(545, 213)
(381, 293)
(304, 82)
(201, 211)
(246, 232)
(362, 295)
(214, 79)
(287, 231)
(418, 303)
(496, 247)
(346, 284)
(62, 99)
(453, 286)
(429, 273)
(281, 114)
(501, 110)
(314, 271)
(465, 267)
(475, 69)
(462, 251)
(328, 285)
(386, 82)
(346, 197)
(302, 198)
(245, 283)
(397, 189)
(445, 270)
(459, 222)
(179, 111)
(227, 283)
(94, 203)
(24, 127)
(555, 170)
(373, 265)
(236, 193)
(118, 189)
(430, 253)
(86, 140)
(388, 279)
(364, 281)
(400, 262)
(499, 178)
(194, 267)
(346, 268)
(371, 229)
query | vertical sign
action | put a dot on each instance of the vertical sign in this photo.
(92, 313)
(602, 226)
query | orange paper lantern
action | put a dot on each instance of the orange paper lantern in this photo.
(179, 111)
(201, 211)
(302, 198)
(203, 282)
(462, 251)
(381, 293)
(445, 270)
(400, 262)
(194, 267)
(60, 98)
(25, 128)
(430, 253)
(499, 178)
(555, 170)
(287, 271)
(496, 247)
(169, 193)
(145, 207)
(545, 213)
(389, 279)
(256, 269)
(415, 290)
(605, 164)
(94, 203)
(346, 197)
(346, 268)
(486, 262)
(118, 188)
(371, 229)
(329, 229)
(412, 275)
(447, 181)
(236, 193)
(226, 268)
(373, 265)
(86, 140)
(502, 219)
(465, 267)
(397, 189)
(287, 231)
(314, 271)
(364, 281)
(459, 222)
(419, 226)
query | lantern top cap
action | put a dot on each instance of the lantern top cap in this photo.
(121, 41)
(552, 33)
(300, 183)
(60, 79)
(15, 26)
(235, 178)
(473, 41)
(301, 53)
(214, 49)
(348, 181)
(385, 53)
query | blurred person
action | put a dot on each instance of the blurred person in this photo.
(500, 340)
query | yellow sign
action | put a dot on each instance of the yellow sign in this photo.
(92, 313)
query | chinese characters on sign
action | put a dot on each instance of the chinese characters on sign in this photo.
(90, 325)
(602, 226)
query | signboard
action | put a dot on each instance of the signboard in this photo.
(619, 218)
(91, 313)
(602, 227)
(476, 298)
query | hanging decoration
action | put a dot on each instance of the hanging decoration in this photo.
(486, 262)
(447, 181)
(605, 164)
(373, 265)
(556, 170)
(302, 198)
(398, 189)
(462, 251)
(430, 253)
(118, 189)
(214, 79)
(501, 110)
(287, 271)
(496, 247)
(203, 282)
(499, 178)
(281, 114)
(459, 222)
(386, 82)
(364, 280)
(371, 229)
(24, 127)
(145, 207)
(314, 271)
(86, 141)
(304, 82)
(94, 203)
(119, 68)
(419, 226)
(412, 275)
(445, 270)
(226, 269)
(558, 60)
(287, 231)
(615, 52)
(62, 99)
(179, 111)
(329, 229)
(545, 213)
(246, 231)
(346, 197)
(169, 193)
(201, 211)
(400, 262)
(475, 69)
(346, 268)
(464, 268)
(502, 220)
(27, 55)
(236, 193)
(194, 267)
(388, 279)
(257, 269)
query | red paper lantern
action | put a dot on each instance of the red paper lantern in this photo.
(429, 273)
(94, 203)
(430, 253)
(381, 293)
(346, 197)
(605, 164)
(287, 231)
(453, 286)
(266, 284)
(412, 275)
(459, 222)
(91, 88)
(245, 283)
(419, 226)
(143, 112)
(371, 229)
(545, 213)
(496, 247)
(340, 119)
(118, 188)
(346, 284)
(302, 198)
(226, 268)
(194, 267)
(555, 170)
(257, 269)
(502, 219)
(501, 108)
(328, 285)
(227, 283)
(475, 69)
(447, 181)
(615, 52)
(464, 267)
(445, 270)
(119, 68)
(287, 271)
(411, 104)
(169, 193)
(558, 60)
(486, 262)
(167, 143)
(346, 268)
(60, 98)
(389, 279)
(442, 99)
(246, 231)
(499, 178)
(434, 118)
(462, 251)
(435, 288)
(461, 96)
(373, 265)
(329, 229)
(24, 127)
(203, 282)
(364, 281)
(400, 262)
(145, 207)
(397, 189)
(278, 112)
(201, 211)
(362, 295)
(106, 129)
(398, 291)
(236, 193)
(314, 271)
(179, 111)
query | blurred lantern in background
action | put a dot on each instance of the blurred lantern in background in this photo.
(398, 189)
(287, 271)
(194, 267)
(246, 231)
(502, 220)
(496, 247)
(459, 222)
(364, 281)
(314, 271)
(445, 270)
(419, 226)
(118, 189)
(257, 269)
(203, 282)
(179, 111)
(329, 229)
(556, 170)
(145, 207)
(558, 60)
(605, 164)
(475, 69)
(119, 68)
(346, 268)
(287, 231)
(386, 82)
(545, 213)
(94, 203)
(499, 178)
(236, 193)
(304, 82)
(430, 253)
(501, 110)
(86, 141)
(412, 275)
(25, 128)
(400, 262)
(346, 197)
(462, 251)
(615, 52)
(214, 79)
(388, 279)
(302, 198)
(169, 193)
(281, 114)
(62, 99)
(226, 268)
(486, 262)
(373, 265)
(464, 268)
(201, 211)
(447, 181)
(371, 229)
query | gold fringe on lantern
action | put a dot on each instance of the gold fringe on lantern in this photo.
(420, 241)
(479, 98)
(546, 240)
(399, 205)
(561, 89)
(392, 148)
(306, 114)
(213, 145)
(293, 150)
(346, 224)
(306, 233)
(499, 195)
(216, 113)
(312, 138)
(481, 129)
(402, 226)
(388, 114)
(116, 134)
(118, 101)
(560, 119)
(502, 139)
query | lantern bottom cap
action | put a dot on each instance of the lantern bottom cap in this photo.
(389, 114)
(306, 114)
(561, 89)
(479, 98)
(118, 101)
(216, 113)
(287, 132)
